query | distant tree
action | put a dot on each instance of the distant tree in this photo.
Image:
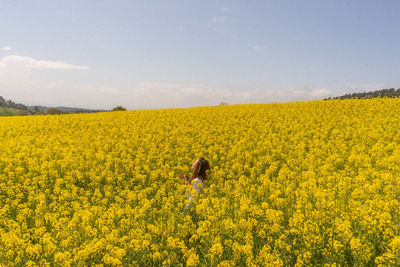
(119, 108)
(54, 111)
(79, 111)
(21, 106)
(223, 104)
(35, 109)
(373, 94)
(3, 102)
(40, 112)
(11, 104)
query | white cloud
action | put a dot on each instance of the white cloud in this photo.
(221, 25)
(142, 95)
(161, 94)
(15, 68)
(259, 47)
(321, 93)
(166, 85)
(218, 20)
(37, 64)
(63, 94)
(6, 48)
(152, 95)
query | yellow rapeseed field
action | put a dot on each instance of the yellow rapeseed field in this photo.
(298, 184)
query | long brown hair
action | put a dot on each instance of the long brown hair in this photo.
(200, 168)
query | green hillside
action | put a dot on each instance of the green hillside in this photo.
(13, 112)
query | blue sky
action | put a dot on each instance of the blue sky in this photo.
(161, 54)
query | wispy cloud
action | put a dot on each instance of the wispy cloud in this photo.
(15, 69)
(168, 85)
(146, 95)
(37, 64)
(218, 20)
(6, 48)
(259, 47)
(221, 25)
(63, 93)
(161, 94)
(320, 93)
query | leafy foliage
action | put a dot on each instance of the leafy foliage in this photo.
(119, 108)
(10, 108)
(54, 111)
(373, 94)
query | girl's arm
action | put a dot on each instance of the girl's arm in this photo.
(183, 178)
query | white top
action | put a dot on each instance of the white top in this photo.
(198, 185)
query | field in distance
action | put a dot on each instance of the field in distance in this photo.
(299, 184)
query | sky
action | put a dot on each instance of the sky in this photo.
(184, 53)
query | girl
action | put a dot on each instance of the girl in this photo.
(197, 179)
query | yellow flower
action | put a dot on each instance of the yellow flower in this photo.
(193, 259)
(301, 182)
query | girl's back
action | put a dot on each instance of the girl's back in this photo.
(198, 185)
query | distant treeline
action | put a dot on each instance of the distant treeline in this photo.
(10, 108)
(10, 104)
(373, 94)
